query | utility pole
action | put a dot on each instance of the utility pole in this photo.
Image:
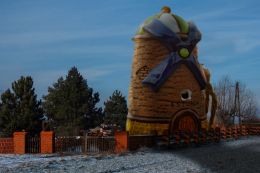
(237, 104)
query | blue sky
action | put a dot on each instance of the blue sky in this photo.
(45, 38)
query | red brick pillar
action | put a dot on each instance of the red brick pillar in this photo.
(121, 142)
(47, 142)
(19, 142)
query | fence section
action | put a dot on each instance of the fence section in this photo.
(99, 144)
(32, 144)
(6, 145)
(73, 144)
(254, 130)
(23, 143)
(207, 136)
(180, 138)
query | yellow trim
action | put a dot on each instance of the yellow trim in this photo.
(204, 124)
(143, 128)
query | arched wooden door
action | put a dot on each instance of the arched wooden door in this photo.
(186, 122)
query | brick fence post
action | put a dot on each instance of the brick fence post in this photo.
(19, 142)
(121, 142)
(47, 142)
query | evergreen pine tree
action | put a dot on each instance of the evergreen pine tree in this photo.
(71, 104)
(116, 110)
(20, 109)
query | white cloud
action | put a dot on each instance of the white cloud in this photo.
(45, 78)
(96, 73)
(90, 73)
(43, 37)
(246, 45)
(215, 13)
(114, 48)
(214, 59)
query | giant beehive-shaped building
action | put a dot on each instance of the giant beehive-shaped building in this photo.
(167, 89)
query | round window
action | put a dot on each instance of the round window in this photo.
(186, 94)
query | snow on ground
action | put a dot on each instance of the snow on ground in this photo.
(235, 156)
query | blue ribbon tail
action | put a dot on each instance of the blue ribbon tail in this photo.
(159, 74)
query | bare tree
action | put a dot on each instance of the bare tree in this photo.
(224, 95)
(225, 90)
(248, 104)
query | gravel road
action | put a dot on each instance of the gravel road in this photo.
(241, 156)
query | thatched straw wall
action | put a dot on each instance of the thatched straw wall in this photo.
(147, 105)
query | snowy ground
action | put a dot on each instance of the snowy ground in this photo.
(227, 157)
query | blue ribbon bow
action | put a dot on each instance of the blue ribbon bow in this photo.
(159, 74)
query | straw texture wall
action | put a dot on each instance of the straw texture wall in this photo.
(162, 105)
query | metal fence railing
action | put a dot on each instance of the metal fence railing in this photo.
(88, 144)
(32, 144)
(99, 144)
(73, 144)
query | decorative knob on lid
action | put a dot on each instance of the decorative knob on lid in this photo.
(166, 9)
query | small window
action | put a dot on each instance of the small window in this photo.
(186, 95)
